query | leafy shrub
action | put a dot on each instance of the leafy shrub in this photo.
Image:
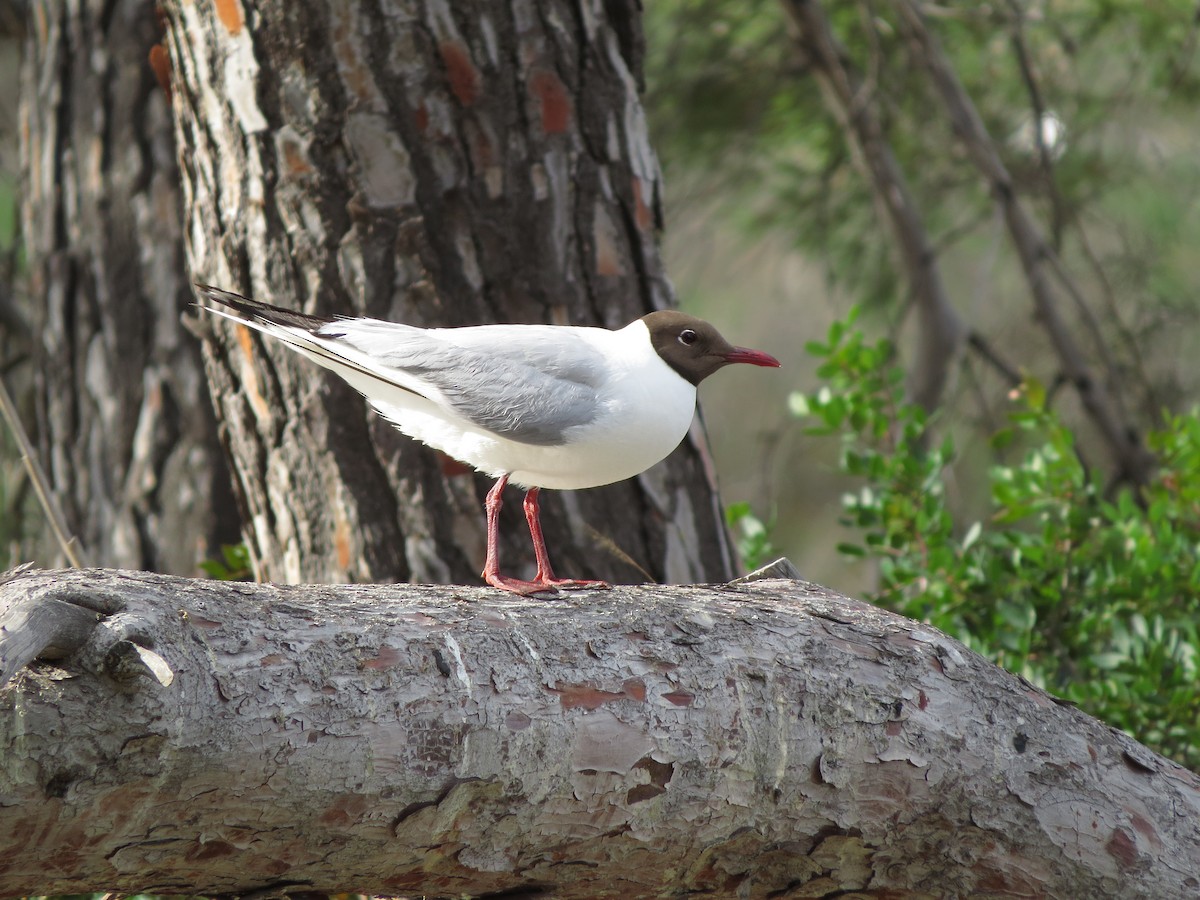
(1095, 598)
(234, 564)
(753, 535)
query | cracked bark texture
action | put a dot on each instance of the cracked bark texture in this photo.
(437, 164)
(122, 420)
(764, 738)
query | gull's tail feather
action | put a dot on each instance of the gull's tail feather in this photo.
(303, 333)
(256, 311)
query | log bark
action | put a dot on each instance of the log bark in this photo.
(753, 739)
(437, 164)
(123, 423)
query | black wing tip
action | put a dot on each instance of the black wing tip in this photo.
(265, 312)
(228, 298)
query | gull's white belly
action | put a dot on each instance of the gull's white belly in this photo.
(642, 420)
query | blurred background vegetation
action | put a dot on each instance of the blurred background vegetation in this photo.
(772, 229)
(17, 505)
(781, 218)
(1001, 513)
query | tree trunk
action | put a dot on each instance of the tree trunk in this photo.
(123, 425)
(437, 164)
(763, 738)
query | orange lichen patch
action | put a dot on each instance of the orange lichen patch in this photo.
(295, 161)
(464, 77)
(160, 63)
(552, 98)
(640, 792)
(607, 260)
(346, 810)
(385, 659)
(482, 151)
(249, 379)
(118, 801)
(1145, 829)
(641, 212)
(354, 74)
(230, 14)
(347, 47)
(245, 342)
(342, 542)
(679, 698)
(584, 696)
(608, 257)
(1122, 848)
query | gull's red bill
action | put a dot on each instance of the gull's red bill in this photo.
(753, 357)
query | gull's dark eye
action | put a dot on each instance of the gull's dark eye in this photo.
(688, 337)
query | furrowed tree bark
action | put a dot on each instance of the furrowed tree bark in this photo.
(763, 738)
(437, 164)
(124, 426)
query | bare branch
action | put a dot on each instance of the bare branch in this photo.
(1038, 109)
(988, 354)
(1059, 217)
(1134, 462)
(854, 102)
(1187, 52)
(58, 524)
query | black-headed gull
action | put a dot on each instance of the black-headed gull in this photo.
(543, 406)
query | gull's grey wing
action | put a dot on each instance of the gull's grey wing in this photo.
(525, 383)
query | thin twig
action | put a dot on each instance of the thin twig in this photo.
(1059, 212)
(69, 545)
(1038, 260)
(1038, 108)
(988, 353)
(1183, 62)
(855, 105)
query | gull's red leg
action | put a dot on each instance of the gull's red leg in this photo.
(545, 574)
(491, 565)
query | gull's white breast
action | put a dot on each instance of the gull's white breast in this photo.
(643, 410)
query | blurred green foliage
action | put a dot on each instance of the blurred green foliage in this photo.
(1117, 188)
(1092, 594)
(18, 508)
(988, 521)
(753, 536)
(234, 564)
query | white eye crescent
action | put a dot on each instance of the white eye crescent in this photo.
(688, 337)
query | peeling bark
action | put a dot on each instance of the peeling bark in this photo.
(437, 164)
(764, 738)
(124, 426)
